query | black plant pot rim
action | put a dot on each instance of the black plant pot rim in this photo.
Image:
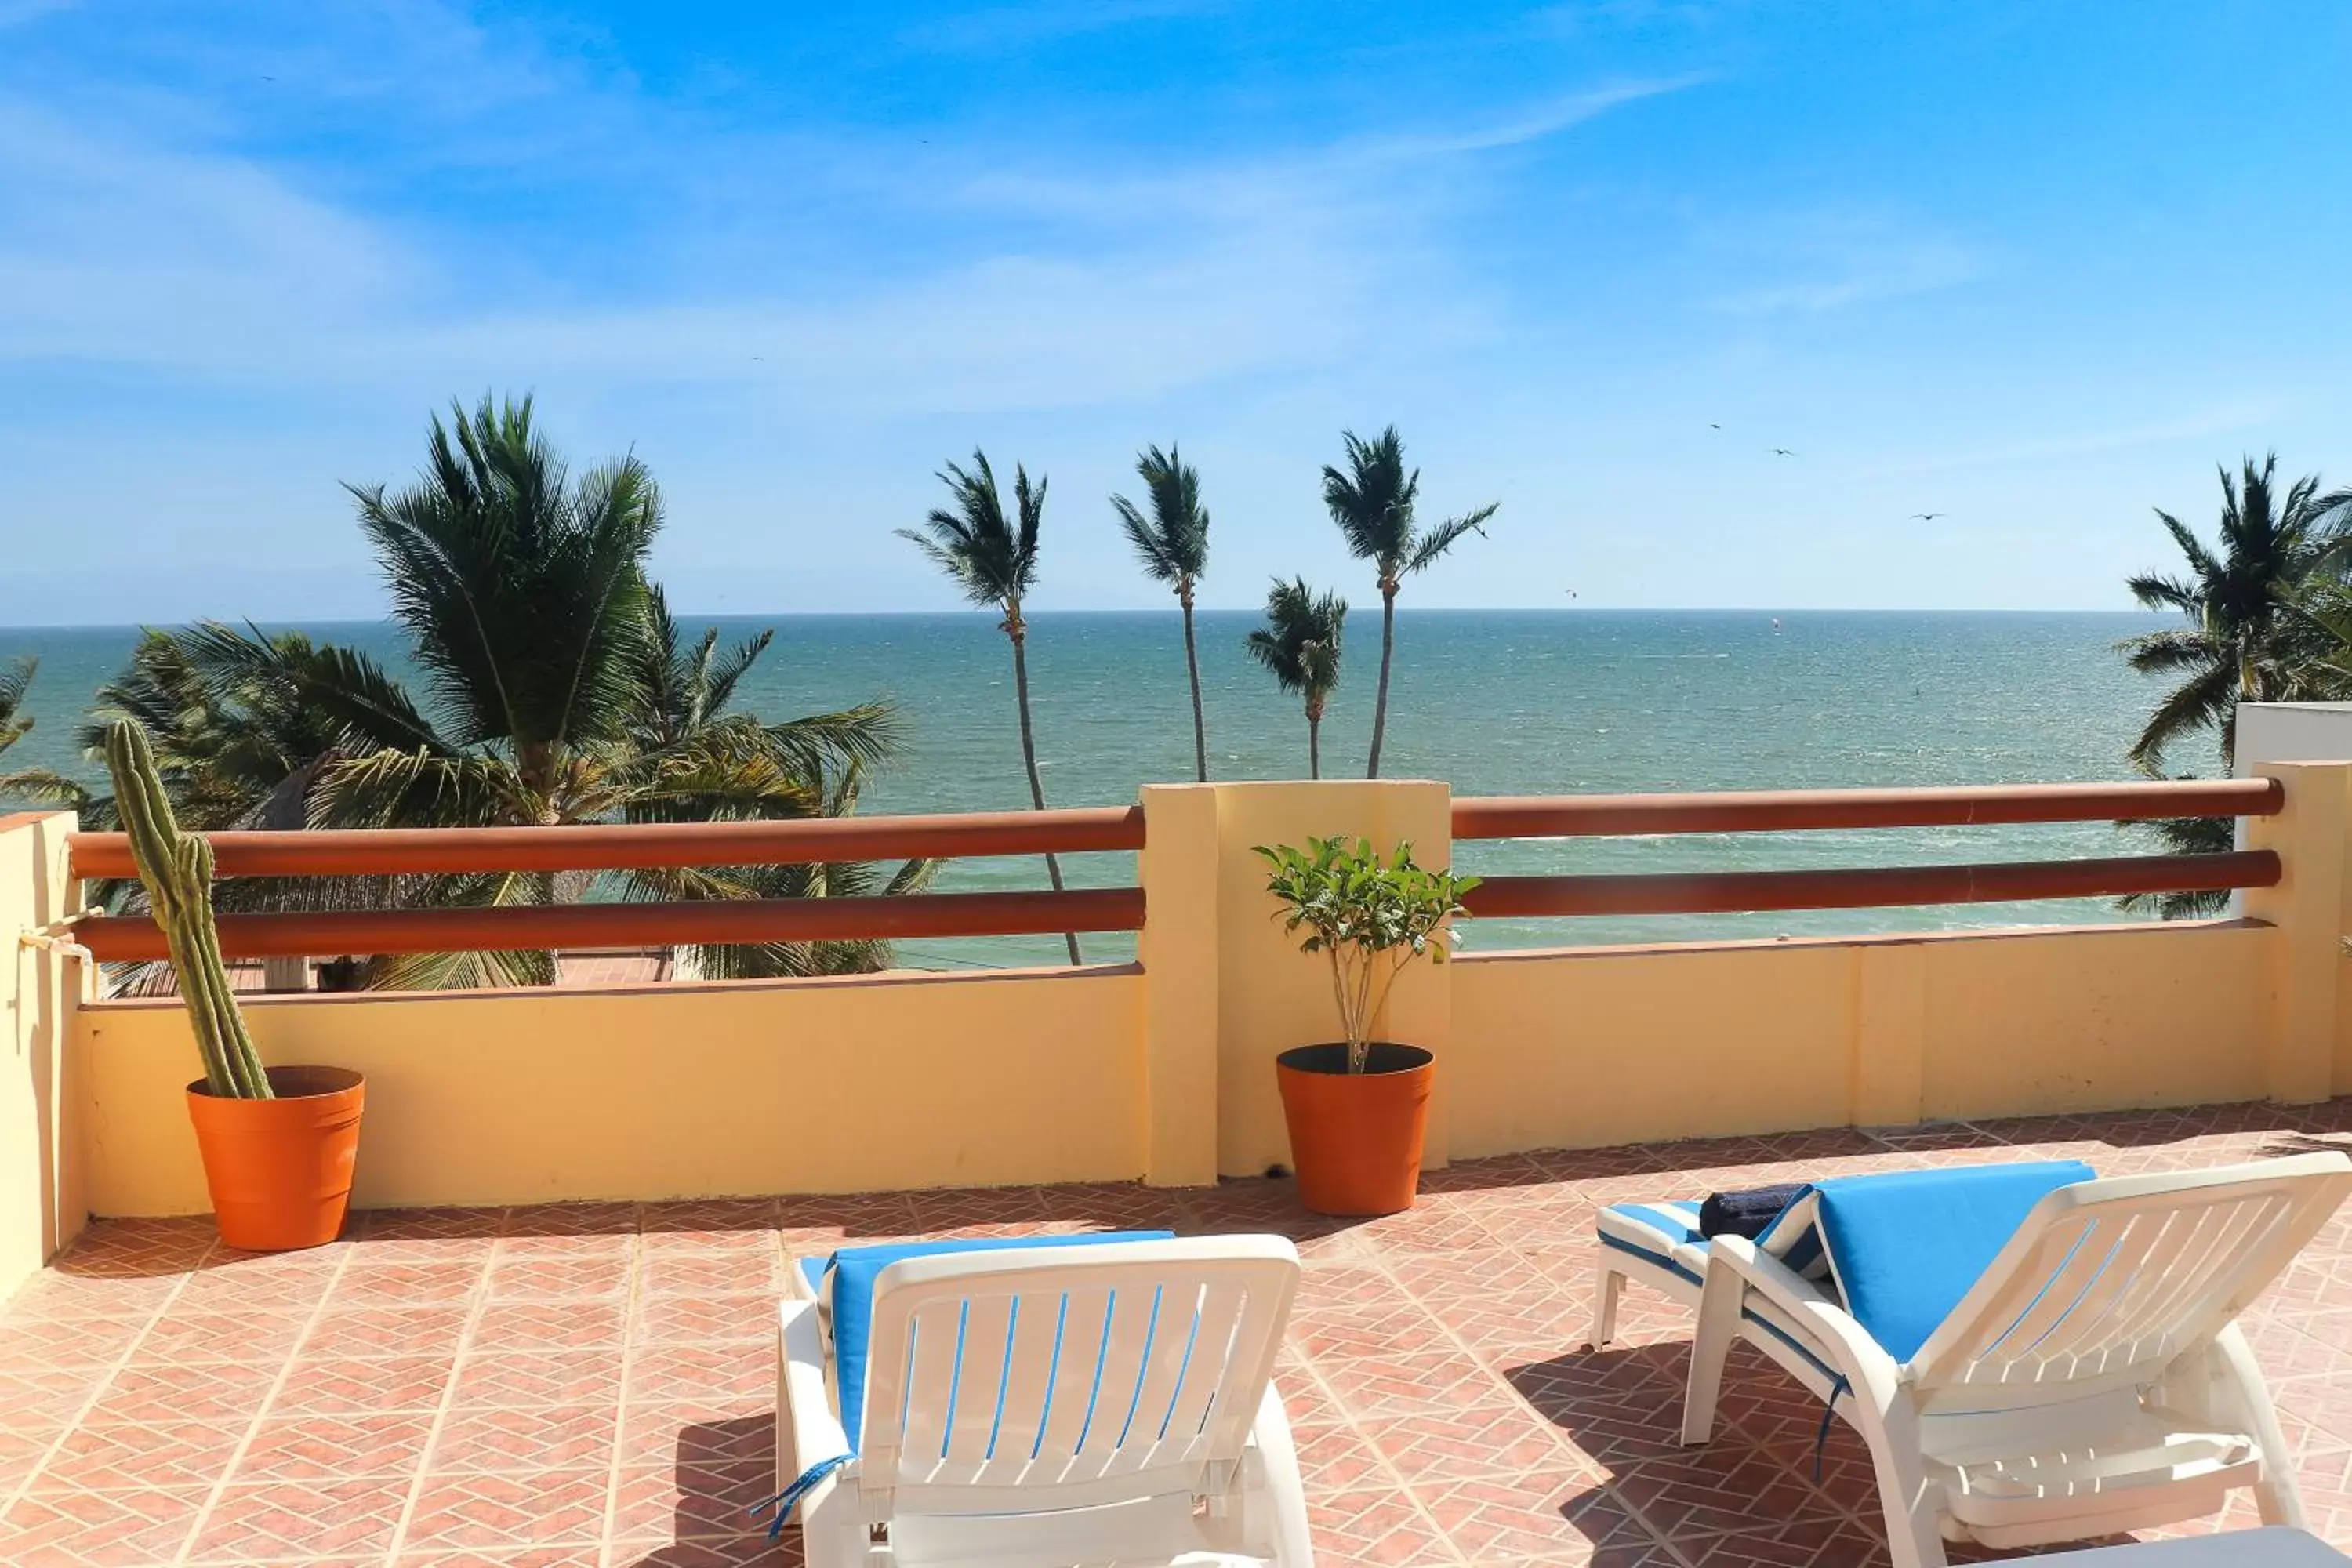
(1331, 1056)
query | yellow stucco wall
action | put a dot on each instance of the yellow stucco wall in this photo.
(1590, 1046)
(41, 1204)
(810, 1086)
(1577, 1049)
(2095, 1020)
(1164, 1070)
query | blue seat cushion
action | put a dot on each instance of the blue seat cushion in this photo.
(1906, 1245)
(853, 1271)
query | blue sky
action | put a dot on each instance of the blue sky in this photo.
(2037, 265)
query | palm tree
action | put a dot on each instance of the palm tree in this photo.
(557, 693)
(1373, 503)
(1173, 546)
(28, 784)
(1299, 644)
(2259, 618)
(995, 562)
(2240, 639)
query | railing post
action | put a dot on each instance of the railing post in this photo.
(2308, 907)
(1178, 949)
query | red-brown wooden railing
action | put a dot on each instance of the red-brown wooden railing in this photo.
(1780, 811)
(1783, 811)
(575, 926)
(399, 852)
(419, 851)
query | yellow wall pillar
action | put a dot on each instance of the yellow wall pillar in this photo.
(1269, 996)
(42, 1206)
(1178, 950)
(2308, 908)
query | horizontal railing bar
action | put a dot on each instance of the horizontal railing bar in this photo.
(612, 846)
(1733, 892)
(1780, 811)
(122, 938)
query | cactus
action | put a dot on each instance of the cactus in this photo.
(177, 871)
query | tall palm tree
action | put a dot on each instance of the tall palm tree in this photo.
(1372, 501)
(2257, 613)
(2240, 639)
(1173, 546)
(557, 694)
(43, 785)
(994, 560)
(1299, 644)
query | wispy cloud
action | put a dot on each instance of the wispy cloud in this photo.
(16, 13)
(1814, 263)
(1537, 124)
(1021, 26)
(1072, 285)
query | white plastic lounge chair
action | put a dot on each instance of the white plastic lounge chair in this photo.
(1059, 1400)
(2031, 1359)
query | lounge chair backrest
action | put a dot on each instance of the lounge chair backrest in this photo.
(1024, 1380)
(2107, 1282)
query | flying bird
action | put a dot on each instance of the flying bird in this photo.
(1714, 426)
(1782, 452)
(1929, 516)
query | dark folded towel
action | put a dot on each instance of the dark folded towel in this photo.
(1747, 1212)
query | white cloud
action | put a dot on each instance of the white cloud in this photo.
(1808, 263)
(1017, 26)
(217, 269)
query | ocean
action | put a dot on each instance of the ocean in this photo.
(1498, 702)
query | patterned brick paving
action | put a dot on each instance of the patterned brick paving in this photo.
(590, 1384)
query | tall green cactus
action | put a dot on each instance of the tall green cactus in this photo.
(177, 871)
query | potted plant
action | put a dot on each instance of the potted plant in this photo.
(1357, 1106)
(278, 1143)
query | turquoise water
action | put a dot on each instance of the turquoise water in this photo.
(1503, 702)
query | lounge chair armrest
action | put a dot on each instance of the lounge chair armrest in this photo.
(810, 1431)
(1861, 1358)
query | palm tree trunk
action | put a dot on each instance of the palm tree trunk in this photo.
(1315, 745)
(1380, 701)
(1019, 634)
(1192, 667)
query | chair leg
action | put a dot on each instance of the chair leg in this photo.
(1719, 1304)
(2244, 1401)
(1915, 1537)
(1274, 1498)
(1608, 1286)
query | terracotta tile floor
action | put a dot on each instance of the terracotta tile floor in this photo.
(590, 1384)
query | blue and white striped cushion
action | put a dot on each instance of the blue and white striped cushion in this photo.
(1664, 1234)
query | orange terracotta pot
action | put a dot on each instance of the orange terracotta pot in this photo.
(1356, 1138)
(280, 1170)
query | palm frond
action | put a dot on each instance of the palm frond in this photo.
(2204, 701)
(1441, 539)
(972, 542)
(1372, 500)
(15, 679)
(524, 594)
(1172, 543)
(1300, 644)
